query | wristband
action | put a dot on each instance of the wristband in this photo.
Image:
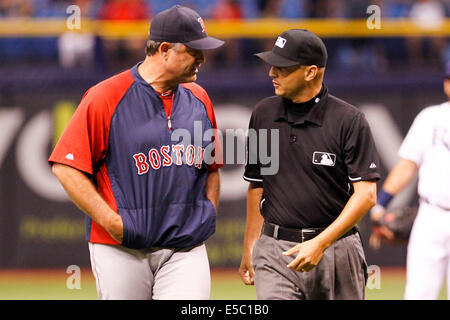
(384, 198)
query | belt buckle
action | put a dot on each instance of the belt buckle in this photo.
(276, 228)
(306, 231)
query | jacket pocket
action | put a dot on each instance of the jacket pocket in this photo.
(129, 232)
(177, 225)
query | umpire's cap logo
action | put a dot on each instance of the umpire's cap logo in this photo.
(280, 42)
(296, 47)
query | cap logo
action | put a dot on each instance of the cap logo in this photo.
(280, 42)
(202, 24)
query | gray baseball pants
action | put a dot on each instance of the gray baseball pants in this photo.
(340, 275)
(155, 273)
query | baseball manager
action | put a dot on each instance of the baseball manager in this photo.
(150, 198)
(300, 239)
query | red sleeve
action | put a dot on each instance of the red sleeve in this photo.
(201, 94)
(84, 142)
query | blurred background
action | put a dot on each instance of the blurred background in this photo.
(385, 57)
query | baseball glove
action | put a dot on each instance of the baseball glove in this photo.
(399, 221)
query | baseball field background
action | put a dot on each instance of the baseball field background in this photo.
(226, 285)
(385, 57)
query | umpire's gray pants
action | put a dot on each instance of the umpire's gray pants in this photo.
(340, 274)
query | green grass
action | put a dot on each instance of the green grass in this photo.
(48, 291)
(392, 287)
(45, 285)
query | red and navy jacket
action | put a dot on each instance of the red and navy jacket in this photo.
(120, 135)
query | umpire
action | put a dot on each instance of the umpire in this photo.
(309, 246)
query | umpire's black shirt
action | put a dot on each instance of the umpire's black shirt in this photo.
(325, 144)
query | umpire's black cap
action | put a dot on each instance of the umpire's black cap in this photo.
(182, 25)
(296, 47)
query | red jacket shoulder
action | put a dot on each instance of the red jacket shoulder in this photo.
(113, 88)
(198, 91)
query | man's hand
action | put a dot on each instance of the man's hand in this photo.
(253, 226)
(393, 226)
(379, 232)
(309, 255)
(114, 226)
(246, 271)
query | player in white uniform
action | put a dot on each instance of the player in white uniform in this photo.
(426, 150)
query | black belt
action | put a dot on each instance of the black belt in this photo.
(296, 235)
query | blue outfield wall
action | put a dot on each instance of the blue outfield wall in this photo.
(41, 228)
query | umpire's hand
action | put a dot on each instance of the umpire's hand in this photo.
(309, 255)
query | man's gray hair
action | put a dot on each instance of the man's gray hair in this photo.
(152, 47)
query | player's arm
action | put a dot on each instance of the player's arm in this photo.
(400, 176)
(253, 226)
(83, 193)
(213, 187)
(311, 252)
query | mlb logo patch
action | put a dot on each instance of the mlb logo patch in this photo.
(280, 42)
(324, 159)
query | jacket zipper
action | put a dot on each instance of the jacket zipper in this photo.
(169, 120)
(169, 123)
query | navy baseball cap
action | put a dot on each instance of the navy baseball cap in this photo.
(296, 47)
(182, 25)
